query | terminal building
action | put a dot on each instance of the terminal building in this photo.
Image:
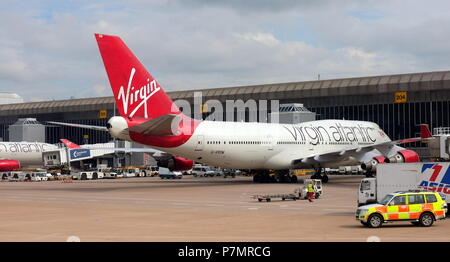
(397, 103)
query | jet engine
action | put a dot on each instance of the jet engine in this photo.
(372, 164)
(176, 163)
(403, 156)
(9, 165)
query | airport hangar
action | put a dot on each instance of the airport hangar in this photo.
(397, 103)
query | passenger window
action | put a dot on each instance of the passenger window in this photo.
(398, 200)
(431, 198)
(416, 199)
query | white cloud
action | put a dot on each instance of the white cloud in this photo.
(263, 38)
(101, 90)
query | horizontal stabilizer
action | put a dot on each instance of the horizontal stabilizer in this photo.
(98, 128)
(166, 125)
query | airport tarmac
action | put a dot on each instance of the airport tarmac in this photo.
(190, 209)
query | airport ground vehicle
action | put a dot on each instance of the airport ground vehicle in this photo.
(229, 172)
(218, 172)
(299, 193)
(87, 175)
(421, 208)
(204, 171)
(37, 176)
(150, 171)
(432, 176)
(130, 171)
(12, 176)
(172, 175)
(109, 173)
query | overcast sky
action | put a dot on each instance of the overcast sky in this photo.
(48, 50)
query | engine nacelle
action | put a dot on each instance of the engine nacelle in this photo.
(9, 165)
(177, 163)
(372, 164)
(403, 156)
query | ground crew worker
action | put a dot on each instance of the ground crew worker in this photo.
(310, 192)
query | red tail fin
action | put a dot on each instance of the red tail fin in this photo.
(136, 92)
(69, 144)
(425, 131)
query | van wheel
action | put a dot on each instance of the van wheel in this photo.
(375, 221)
(83, 177)
(95, 176)
(426, 220)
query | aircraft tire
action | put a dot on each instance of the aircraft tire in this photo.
(294, 179)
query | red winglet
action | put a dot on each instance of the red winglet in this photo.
(425, 131)
(69, 144)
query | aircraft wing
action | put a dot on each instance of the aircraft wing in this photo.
(364, 153)
(153, 152)
(161, 126)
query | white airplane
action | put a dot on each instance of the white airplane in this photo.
(149, 117)
(14, 155)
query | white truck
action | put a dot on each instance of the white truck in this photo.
(130, 172)
(433, 176)
(203, 171)
(87, 175)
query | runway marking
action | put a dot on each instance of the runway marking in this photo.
(253, 208)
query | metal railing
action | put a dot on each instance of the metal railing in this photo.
(441, 131)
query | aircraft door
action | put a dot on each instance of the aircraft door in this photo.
(270, 143)
(199, 143)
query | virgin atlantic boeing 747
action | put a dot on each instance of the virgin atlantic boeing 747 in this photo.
(148, 116)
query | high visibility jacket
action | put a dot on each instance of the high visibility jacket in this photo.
(310, 188)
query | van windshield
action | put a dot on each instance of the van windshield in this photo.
(365, 185)
(386, 199)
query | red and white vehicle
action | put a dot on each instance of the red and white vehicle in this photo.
(148, 116)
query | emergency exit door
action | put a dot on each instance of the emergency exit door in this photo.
(199, 143)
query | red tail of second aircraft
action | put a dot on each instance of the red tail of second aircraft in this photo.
(69, 144)
(136, 92)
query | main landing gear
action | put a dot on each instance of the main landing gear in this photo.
(281, 176)
(320, 174)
